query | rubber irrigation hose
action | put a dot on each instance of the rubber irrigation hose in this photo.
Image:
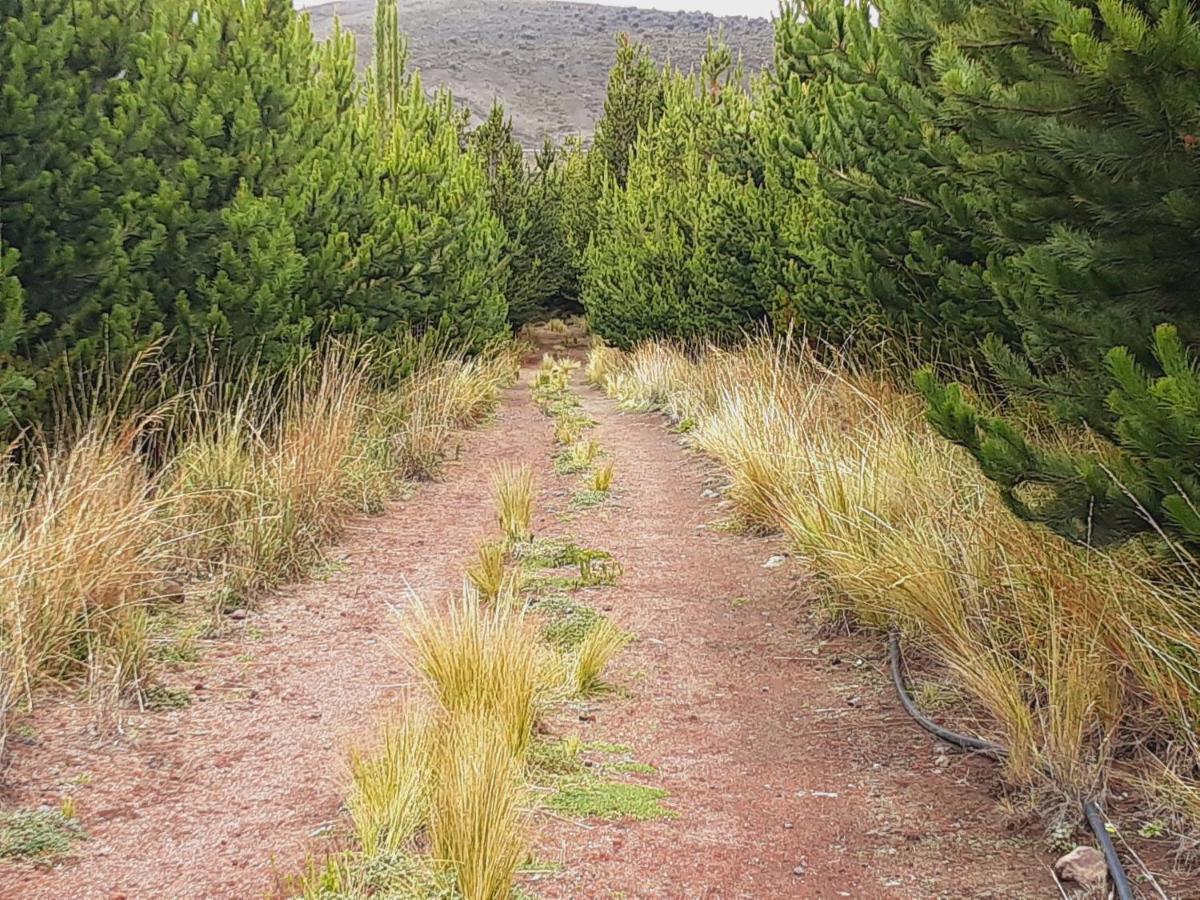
(1091, 811)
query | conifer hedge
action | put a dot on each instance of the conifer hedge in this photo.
(1011, 190)
(671, 250)
(208, 173)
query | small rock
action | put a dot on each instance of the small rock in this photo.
(238, 614)
(788, 825)
(709, 494)
(1084, 866)
(173, 591)
(854, 701)
(799, 871)
(941, 762)
(774, 562)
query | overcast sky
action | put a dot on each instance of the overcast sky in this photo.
(764, 8)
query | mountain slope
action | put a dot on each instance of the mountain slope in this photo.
(547, 62)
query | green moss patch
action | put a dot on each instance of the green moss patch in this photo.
(566, 621)
(588, 499)
(27, 834)
(596, 567)
(578, 790)
(599, 798)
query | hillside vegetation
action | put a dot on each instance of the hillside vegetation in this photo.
(545, 61)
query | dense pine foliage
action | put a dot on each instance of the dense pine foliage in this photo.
(671, 250)
(204, 172)
(1010, 191)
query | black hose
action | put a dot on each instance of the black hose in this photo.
(1091, 811)
(1115, 870)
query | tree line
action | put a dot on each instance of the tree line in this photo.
(1006, 193)
(207, 176)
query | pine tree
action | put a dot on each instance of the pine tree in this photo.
(633, 101)
(528, 201)
(871, 233)
(205, 171)
(671, 252)
(17, 389)
(62, 169)
(1078, 124)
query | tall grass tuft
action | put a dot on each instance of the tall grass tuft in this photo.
(485, 660)
(512, 489)
(487, 573)
(477, 826)
(390, 783)
(600, 645)
(85, 543)
(602, 478)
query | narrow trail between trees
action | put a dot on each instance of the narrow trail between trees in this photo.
(790, 767)
(218, 799)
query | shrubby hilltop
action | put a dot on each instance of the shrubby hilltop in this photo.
(547, 62)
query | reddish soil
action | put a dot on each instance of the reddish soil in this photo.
(217, 799)
(790, 766)
(780, 746)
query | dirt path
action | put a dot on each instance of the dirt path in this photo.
(214, 800)
(784, 753)
(779, 749)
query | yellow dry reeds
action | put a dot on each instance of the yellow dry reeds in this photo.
(602, 478)
(84, 544)
(599, 647)
(512, 489)
(1059, 647)
(483, 659)
(488, 570)
(391, 782)
(477, 824)
(245, 478)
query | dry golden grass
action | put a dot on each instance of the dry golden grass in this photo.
(568, 429)
(602, 362)
(602, 478)
(1060, 648)
(486, 660)
(477, 826)
(261, 488)
(85, 543)
(512, 489)
(599, 647)
(488, 570)
(246, 479)
(390, 783)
